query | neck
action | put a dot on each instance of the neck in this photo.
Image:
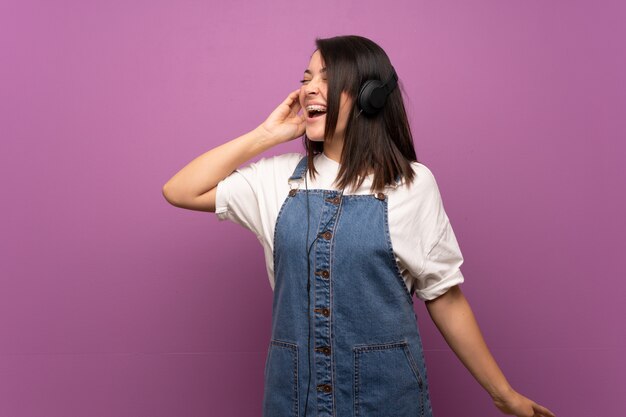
(333, 149)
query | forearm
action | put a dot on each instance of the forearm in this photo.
(207, 170)
(454, 318)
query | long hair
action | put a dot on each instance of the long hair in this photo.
(381, 144)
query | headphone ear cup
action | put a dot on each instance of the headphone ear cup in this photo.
(371, 97)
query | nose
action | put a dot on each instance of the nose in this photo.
(312, 86)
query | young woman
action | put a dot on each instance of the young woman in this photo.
(351, 231)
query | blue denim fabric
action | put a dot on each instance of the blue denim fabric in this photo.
(366, 353)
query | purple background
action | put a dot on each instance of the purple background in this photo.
(115, 303)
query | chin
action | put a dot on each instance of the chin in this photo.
(315, 137)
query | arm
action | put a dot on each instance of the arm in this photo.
(454, 318)
(194, 185)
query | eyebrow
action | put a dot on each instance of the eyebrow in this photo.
(307, 71)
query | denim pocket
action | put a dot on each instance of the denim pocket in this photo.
(280, 396)
(387, 381)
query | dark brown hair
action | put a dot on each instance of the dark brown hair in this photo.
(382, 143)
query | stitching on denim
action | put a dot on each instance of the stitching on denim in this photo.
(330, 292)
(280, 212)
(298, 170)
(296, 387)
(332, 364)
(413, 364)
(278, 218)
(329, 325)
(358, 350)
(293, 347)
(379, 346)
(323, 190)
(284, 343)
(425, 395)
(391, 255)
(356, 354)
(314, 286)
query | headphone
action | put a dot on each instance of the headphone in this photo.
(373, 94)
(371, 99)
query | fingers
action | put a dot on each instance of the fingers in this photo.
(291, 103)
(542, 411)
(293, 96)
(295, 101)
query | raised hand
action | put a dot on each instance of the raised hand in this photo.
(284, 123)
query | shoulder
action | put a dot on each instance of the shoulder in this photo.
(416, 211)
(283, 158)
(287, 160)
(276, 165)
(420, 169)
(420, 198)
(423, 182)
(277, 162)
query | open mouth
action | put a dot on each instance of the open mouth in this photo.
(314, 112)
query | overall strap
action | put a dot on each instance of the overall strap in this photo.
(301, 168)
(298, 172)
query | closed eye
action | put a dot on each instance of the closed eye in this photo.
(306, 81)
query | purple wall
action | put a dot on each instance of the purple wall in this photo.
(115, 303)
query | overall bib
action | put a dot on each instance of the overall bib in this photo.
(366, 356)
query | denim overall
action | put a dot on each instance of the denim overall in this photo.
(366, 354)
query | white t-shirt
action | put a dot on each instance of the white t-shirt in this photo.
(425, 247)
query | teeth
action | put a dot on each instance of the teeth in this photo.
(316, 107)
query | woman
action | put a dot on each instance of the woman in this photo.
(368, 230)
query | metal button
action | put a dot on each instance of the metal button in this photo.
(327, 235)
(380, 196)
(325, 387)
(324, 273)
(292, 192)
(324, 349)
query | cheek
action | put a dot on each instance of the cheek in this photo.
(346, 104)
(301, 96)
